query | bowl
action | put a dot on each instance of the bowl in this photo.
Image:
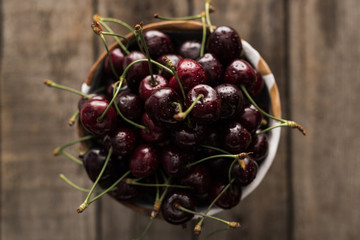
(193, 29)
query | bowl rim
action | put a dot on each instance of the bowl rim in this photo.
(253, 56)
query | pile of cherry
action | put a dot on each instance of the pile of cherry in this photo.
(174, 122)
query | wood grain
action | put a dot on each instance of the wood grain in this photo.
(325, 95)
(41, 40)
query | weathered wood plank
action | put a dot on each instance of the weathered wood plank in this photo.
(325, 94)
(41, 40)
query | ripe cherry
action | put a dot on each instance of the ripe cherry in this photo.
(259, 147)
(213, 68)
(250, 118)
(174, 161)
(190, 49)
(232, 100)
(137, 71)
(148, 85)
(198, 178)
(236, 138)
(173, 58)
(190, 73)
(152, 132)
(158, 43)
(229, 199)
(144, 161)
(122, 140)
(240, 72)
(117, 58)
(130, 105)
(245, 174)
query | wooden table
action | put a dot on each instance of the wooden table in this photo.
(312, 191)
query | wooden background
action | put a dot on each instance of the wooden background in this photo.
(312, 191)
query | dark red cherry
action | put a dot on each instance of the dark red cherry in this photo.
(110, 90)
(126, 192)
(190, 73)
(259, 147)
(158, 43)
(174, 161)
(117, 58)
(93, 96)
(198, 178)
(245, 174)
(152, 132)
(225, 44)
(213, 68)
(122, 140)
(236, 138)
(232, 100)
(161, 107)
(130, 105)
(170, 211)
(173, 58)
(93, 161)
(188, 137)
(137, 72)
(190, 49)
(90, 112)
(144, 161)
(229, 199)
(208, 108)
(256, 89)
(148, 86)
(240, 72)
(250, 118)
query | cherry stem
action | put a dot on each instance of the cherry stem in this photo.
(172, 67)
(212, 157)
(194, 17)
(237, 160)
(125, 50)
(207, 15)
(50, 83)
(62, 176)
(182, 115)
(287, 123)
(108, 54)
(84, 205)
(203, 41)
(73, 118)
(146, 229)
(68, 155)
(215, 148)
(197, 228)
(116, 35)
(139, 33)
(59, 149)
(135, 182)
(159, 201)
(178, 206)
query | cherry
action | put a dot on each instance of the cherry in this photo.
(259, 147)
(117, 58)
(130, 105)
(198, 178)
(92, 96)
(258, 86)
(190, 73)
(240, 72)
(90, 112)
(225, 44)
(232, 100)
(213, 68)
(110, 89)
(236, 138)
(126, 192)
(137, 71)
(148, 85)
(207, 109)
(152, 133)
(190, 49)
(144, 161)
(123, 141)
(188, 137)
(158, 43)
(174, 161)
(250, 118)
(229, 199)
(173, 58)
(161, 107)
(170, 208)
(245, 174)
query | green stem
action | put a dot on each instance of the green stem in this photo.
(203, 41)
(212, 157)
(73, 118)
(84, 205)
(195, 17)
(62, 176)
(146, 229)
(288, 123)
(58, 150)
(108, 54)
(201, 214)
(122, 23)
(122, 46)
(272, 127)
(134, 182)
(68, 155)
(50, 83)
(182, 115)
(207, 14)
